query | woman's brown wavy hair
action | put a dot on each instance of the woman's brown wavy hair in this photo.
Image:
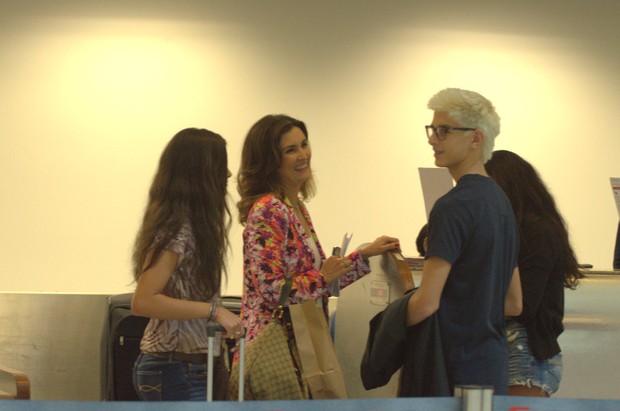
(189, 187)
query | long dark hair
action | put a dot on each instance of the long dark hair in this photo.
(260, 160)
(530, 199)
(189, 187)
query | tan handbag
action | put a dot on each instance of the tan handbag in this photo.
(319, 363)
(271, 371)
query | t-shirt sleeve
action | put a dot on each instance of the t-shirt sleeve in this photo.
(178, 243)
(448, 229)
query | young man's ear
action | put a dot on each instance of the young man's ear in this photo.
(478, 138)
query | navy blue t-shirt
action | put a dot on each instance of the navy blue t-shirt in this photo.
(473, 228)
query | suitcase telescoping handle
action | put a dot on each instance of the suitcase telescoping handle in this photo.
(212, 328)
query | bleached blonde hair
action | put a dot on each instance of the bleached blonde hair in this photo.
(470, 109)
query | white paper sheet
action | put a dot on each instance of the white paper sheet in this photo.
(435, 183)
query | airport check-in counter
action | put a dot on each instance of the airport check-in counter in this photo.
(590, 342)
(356, 306)
(55, 339)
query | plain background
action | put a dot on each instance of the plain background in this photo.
(91, 91)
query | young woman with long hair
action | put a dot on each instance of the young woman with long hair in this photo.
(547, 265)
(178, 264)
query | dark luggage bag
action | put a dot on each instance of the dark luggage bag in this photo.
(120, 348)
(121, 345)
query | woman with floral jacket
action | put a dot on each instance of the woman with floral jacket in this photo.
(275, 179)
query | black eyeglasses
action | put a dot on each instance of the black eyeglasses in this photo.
(443, 131)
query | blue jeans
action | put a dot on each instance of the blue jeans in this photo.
(158, 379)
(525, 369)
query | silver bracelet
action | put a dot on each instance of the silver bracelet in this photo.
(211, 311)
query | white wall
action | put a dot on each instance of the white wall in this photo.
(90, 92)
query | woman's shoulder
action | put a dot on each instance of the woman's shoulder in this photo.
(269, 203)
(180, 239)
(268, 198)
(175, 230)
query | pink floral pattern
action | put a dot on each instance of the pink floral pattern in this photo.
(275, 246)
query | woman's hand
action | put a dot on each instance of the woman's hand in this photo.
(334, 268)
(380, 246)
(231, 323)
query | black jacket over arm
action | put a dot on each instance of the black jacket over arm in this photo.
(417, 349)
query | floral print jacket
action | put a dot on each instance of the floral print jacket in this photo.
(275, 246)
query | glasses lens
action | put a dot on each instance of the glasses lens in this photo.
(429, 131)
(442, 133)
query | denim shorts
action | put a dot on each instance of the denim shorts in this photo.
(157, 379)
(525, 369)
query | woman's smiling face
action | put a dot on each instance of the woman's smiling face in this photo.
(294, 168)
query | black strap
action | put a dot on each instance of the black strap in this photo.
(285, 291)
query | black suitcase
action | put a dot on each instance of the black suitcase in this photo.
(121, 347)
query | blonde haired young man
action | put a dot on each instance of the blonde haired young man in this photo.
(470, 276)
